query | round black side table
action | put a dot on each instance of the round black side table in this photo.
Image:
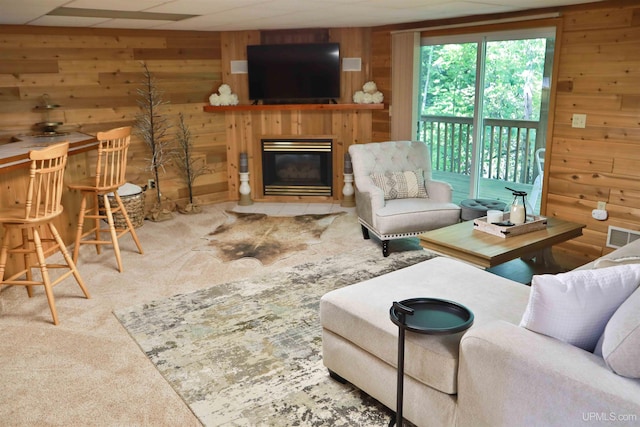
(431, 316)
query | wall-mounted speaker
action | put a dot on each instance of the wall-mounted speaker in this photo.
(351, 64)
(238, 67)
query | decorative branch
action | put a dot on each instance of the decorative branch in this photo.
(189, 167)
(153, 127)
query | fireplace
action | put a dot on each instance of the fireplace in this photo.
(297, 167)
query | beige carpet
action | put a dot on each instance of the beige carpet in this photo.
(88, 370)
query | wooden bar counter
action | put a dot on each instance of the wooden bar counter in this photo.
(14, 176)
(15, 155)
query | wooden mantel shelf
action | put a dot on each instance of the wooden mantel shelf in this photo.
(281, 107)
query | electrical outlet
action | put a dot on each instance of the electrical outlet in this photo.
(579, 121)
(602, 206)
(151, 183)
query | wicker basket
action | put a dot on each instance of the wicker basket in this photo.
(133, 200)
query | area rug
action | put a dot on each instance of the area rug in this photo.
(267, 238)
(249, 353)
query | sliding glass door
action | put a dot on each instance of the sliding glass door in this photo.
(483, 111)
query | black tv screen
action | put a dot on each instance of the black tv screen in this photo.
(294, 73)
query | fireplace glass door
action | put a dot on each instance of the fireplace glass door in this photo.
(297, 167)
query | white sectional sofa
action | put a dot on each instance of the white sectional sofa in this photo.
(497, 373)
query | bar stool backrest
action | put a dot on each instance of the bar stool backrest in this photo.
(112, 158)
(46, 182)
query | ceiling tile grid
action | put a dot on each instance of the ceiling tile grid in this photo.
(237, 15)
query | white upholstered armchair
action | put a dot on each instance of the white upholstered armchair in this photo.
(395, 195)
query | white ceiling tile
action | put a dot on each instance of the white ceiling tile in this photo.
(131, 23)
(404, 4)
(201, 7)
(235, 15)
(23, 11)
(203, 23)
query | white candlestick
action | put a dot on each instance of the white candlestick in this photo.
(245, 190)
(517, 214)
(348, 191)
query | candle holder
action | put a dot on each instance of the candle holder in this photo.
(245, 188)
(244, 163)
(348, 190)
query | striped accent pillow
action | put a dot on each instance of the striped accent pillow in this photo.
(401, 185)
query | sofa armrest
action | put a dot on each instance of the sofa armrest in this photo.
(439, 191)
(629, 250)
(509, 376)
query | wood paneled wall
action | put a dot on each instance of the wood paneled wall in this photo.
(381, 74)
(94, 75)
(598, 75)
(245, 129)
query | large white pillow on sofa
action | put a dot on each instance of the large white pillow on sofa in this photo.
(621, 338)
(575, 307)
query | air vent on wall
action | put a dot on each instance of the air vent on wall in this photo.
(618, 237)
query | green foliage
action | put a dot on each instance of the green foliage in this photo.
(513, 79)
(448, 75)
(513, 89)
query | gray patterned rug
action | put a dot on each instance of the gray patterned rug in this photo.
(248, 353)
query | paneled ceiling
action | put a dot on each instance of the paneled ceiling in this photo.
(231, 15)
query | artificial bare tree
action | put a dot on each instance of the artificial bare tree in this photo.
(189, 167)
(153, 127)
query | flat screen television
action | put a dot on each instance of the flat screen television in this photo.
(294, 73)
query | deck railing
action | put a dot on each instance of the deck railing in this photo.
(507, 151)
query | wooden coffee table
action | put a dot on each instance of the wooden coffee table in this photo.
(485, 250)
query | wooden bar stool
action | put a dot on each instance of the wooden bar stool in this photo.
(42, 205)
(109, 176)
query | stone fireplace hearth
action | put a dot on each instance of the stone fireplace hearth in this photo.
(297, 167)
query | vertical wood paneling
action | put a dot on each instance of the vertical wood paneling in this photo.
(244, 130)
(598, 76)
(381, 74)
(234, 48)
(354, 43)
(405, 59)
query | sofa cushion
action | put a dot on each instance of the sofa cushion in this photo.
(574, 307)
(621, 338)
(360, 314)
(401, 185)
(408, 215)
